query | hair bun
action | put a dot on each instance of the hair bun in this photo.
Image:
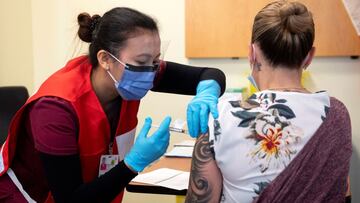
(87, 24)
(294, 16)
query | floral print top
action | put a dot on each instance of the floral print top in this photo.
(254, 140)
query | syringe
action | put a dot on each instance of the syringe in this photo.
(174, 129)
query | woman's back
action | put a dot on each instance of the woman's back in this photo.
(254, 140)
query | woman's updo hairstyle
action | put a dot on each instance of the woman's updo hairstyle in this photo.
(285, 33)
(111, 31)
(87, 25)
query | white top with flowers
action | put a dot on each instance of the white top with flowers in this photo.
(254, 140)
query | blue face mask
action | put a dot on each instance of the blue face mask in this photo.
(252, 81)
(135, 82)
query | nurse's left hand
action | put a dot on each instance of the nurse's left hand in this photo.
(205, 101)
(147, 149)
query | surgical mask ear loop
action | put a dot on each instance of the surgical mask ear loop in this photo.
(117, 59)
(111, 76)
(108, 69)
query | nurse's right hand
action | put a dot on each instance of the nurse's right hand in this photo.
(148, 148)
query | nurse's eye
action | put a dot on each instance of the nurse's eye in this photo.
(141, 63)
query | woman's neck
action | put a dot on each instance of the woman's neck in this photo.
(282, 79)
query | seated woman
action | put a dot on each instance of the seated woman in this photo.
(284, 143)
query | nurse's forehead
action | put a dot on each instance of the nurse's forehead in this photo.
(143, 45)
(144, 39)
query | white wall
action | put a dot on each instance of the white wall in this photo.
(54, 27)
(16, 60)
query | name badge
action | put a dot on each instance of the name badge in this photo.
(107, 162)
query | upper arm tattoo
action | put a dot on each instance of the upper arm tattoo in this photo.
(205, 178)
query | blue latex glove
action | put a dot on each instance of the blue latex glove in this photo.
(205, 101)
(148, 149)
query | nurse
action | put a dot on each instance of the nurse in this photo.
(86, 113)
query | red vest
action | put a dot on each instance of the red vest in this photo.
(72, 83)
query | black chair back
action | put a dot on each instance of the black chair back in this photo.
(11, 99)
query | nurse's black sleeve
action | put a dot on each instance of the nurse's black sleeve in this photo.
(66, 184)
(183, 79)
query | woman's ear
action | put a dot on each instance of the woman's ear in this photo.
(308, 59)
(251, 55)
(103, 59)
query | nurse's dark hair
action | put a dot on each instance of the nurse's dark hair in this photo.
(285, 33)
(111, 31)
